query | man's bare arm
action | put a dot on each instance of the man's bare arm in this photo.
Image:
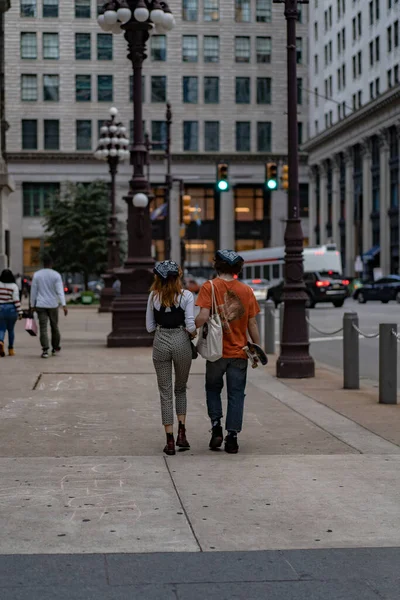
(202, 317)
(253, 331)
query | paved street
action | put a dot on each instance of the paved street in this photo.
(90, 508)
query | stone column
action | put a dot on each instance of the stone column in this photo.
(323, 202)
(349, 213)
(367, 194)
(175, 221)
(336, 199)
(384, 201)
(312, 205)
(227, 220)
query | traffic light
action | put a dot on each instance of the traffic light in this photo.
(285, 177)
(186, 212)
(222, 177)
(271, 176)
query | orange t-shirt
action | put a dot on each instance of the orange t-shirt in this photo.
(236, 304)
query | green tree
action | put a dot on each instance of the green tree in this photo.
(76, 229)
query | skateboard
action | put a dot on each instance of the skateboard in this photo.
(256, 355)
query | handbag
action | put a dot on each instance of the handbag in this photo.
(31, 326)
(194, 350)
(210, 344)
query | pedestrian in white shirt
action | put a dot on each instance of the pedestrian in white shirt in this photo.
(47, 293)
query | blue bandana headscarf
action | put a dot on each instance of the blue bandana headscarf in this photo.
(229, 256)
(166, 268)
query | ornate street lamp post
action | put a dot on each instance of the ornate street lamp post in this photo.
(294, 360)
(136, 18)
(112, 148)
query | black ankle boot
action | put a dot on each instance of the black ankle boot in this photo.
(181, 440)
(170, 446)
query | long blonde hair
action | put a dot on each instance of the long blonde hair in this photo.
(167, 290)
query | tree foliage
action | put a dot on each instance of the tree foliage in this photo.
(76, 229)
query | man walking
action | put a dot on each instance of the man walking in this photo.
(237, 308)
(47, 293)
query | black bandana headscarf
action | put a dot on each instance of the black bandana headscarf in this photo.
(166, 268)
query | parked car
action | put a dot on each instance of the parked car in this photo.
(384, 289)
(259, 287)
(321, 287)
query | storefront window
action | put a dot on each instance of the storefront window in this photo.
(202, 202)
(249, 204)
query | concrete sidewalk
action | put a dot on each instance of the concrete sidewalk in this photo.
(82, 469)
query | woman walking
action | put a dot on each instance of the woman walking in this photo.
(10, 310)
(170, 313)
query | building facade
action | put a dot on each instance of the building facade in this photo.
(223, 69)
(6, 183)
(354, 144)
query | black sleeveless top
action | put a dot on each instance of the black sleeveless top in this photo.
(173, 319)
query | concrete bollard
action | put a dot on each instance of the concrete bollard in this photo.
(387, 364)
(269, 327)
(351, 352)
(259, 319)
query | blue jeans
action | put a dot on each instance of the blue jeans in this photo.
(8, 318)
(236, 375)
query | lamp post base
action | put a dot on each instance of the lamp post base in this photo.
(107, 294)
(293, 366)
(129, 310)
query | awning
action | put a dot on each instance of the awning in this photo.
(370, 255)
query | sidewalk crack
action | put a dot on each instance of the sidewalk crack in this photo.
(182, 506)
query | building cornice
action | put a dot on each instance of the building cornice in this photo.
(87, 157)
(369, 111)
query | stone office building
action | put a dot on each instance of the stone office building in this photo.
(223, 69)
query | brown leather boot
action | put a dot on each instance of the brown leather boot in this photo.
(170, 446)
(181, 440)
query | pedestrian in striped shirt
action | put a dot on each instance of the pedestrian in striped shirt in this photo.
(10, 310)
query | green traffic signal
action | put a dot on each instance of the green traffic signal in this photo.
(223, 185)
(272, 184)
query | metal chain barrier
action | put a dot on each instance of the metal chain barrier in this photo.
(327, 333)
(396, 335)
(366, 335)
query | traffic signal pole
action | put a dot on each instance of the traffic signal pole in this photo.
(294, 360)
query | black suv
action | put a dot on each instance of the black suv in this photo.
(321, 287)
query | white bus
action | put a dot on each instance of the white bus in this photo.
(268, 263)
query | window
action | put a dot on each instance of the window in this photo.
(242, 49)
(300, 132)
(299, 91)
(377, 86)
(190, 48)
(316, 63)
(371, 13)
(377, 9)
(211, 10)
(104, 46)
(359, 96)
(82, 9)
(371, 90)
(316, 96)
(29, 134)
(389, 39)
(371, 53)
(264, 137)
(264, 88)
(51, 88)
(396, 34)
(158, 48)
(242, 11)
(359, 60)
(159, 132)
(242, 90)
(211, 136)
(82, 46)
(131, 88)
(263, 49)
(28, 45)
(83, 134)
(190, 136)
(158, 88)
(243, 136)
(211, 49)
(28, 8)
(104, 88)
(299, 50)
(50, 46)
(189, 10)
(316, 32)
(344, 39)
(29, 91)
(50, 8)
(211, 90)
(396, 74)
(190, 89)
(377, 49)
(83, 88)
(263, 11)
(359, 24)
(389, 78)
(51, 134)
(38, 197)
(354, 29)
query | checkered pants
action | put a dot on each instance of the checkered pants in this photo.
(172, 346)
